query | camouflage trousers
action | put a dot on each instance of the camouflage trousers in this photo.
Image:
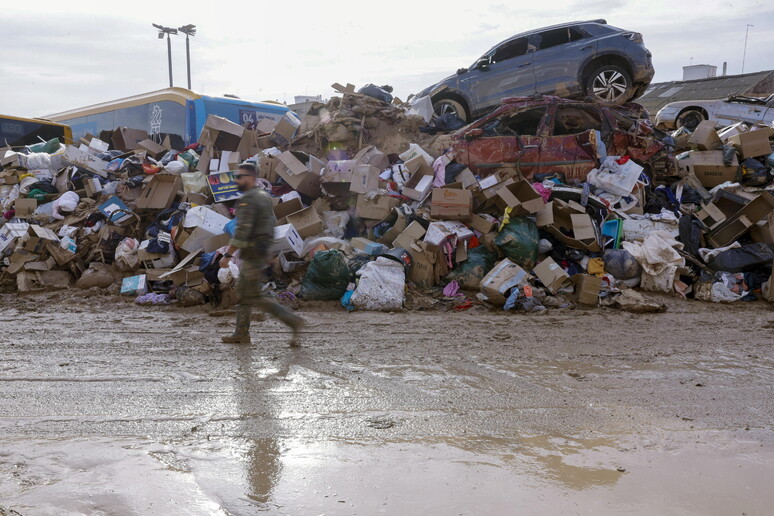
(249, 286)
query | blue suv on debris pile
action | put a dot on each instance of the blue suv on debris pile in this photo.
(573, 60)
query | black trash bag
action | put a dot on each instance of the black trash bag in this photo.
(453, 169)
(380, 93)
(327, 276)
(729, 154)
(357, 262)
(691, 232)
(621, 264)
(754, 173)
(747, 258)
(518, 241)
(470, 272)
(44, 185)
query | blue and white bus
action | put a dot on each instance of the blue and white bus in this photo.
(177, 112)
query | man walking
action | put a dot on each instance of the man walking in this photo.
(253, 238)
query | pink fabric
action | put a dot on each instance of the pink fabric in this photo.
(451, 289)
(439, 166)
(544, 192)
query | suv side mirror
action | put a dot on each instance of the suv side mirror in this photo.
(474, 133)
(482, 64)
(460, 71)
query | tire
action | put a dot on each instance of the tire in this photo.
(690, 118)
(443, 106)
(610, 84)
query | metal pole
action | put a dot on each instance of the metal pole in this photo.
(169, 56)
(188, 59)
(744, 54)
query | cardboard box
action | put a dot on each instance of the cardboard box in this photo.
(438, 232)
(223, 186)
(340, 170)
(709, 168)
(368, 247)
(559, 218)
(409, 236)
(451, 204)
(377, 208)
(30, 281)
(742, 221)
(467, 179)
(705, 137)
(93, 186)
(551, 274)
(752, 144)
(504, 276)
(711, 216)
(267, 167)
(365, 178)
(83, 158)
(370, 155)
(126, 139)
(283, 209)
(284, 130)
(134, 285)
(10, 233)
(587, 288)
(307, 222)
(421, 181)
(159, 193)
(520, 197)
(153, 149)
(37, 237)
(764, 232)
(221, 134)
(25, 207)
(301, 172)
(290, 262)
(482, 223)
(286, 238)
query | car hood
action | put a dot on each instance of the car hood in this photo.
(446, 81)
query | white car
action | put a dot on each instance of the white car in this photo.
(728, 111)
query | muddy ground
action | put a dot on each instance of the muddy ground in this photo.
(110, 408)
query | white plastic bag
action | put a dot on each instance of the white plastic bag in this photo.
(382, 285)
(126, 254)
(229, 274)
(176, 167)
(335, 223)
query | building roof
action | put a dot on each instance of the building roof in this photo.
(660, 94)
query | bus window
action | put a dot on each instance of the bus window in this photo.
(18, 132)
(157, 118)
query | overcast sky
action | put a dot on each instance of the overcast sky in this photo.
(57, 56)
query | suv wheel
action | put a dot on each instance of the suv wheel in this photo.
(610, 84)
(449, 106)
(690, 119)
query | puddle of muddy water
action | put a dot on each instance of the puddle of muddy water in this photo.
(719, 474)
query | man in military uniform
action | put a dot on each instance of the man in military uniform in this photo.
(253, 237)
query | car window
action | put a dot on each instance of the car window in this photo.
(553, 38)
(576, 119)
(515, 48)
(523, 123)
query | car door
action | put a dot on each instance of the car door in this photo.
(557, 58)
(506, 71)
(568, 148)
(510, 140)
(732, 112)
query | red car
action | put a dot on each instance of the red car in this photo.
(548, 134)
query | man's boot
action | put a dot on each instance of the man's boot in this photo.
(296, 324)
(242, 333)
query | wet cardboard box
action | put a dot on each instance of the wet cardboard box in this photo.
(705, 137)
(587, 288)
(451, 204)
(307, 222)
(159, 193)
(551, 275)
(376, 208)
(709, 168)
(752, 144)
(521, 197)
(504, 276)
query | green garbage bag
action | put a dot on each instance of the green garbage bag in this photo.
(470, 272)
(518, 241)
(327, 276)
(191, 158)
(49, 147)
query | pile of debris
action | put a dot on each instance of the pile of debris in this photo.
(372, 213)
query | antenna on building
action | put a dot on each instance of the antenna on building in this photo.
(744, 54)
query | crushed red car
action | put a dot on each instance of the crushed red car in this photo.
(547, 135)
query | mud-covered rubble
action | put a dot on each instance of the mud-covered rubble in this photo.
(379, 209)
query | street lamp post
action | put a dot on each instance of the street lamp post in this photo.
(168, 31)
(188, 30)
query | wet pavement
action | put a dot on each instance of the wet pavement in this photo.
(109, 408)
